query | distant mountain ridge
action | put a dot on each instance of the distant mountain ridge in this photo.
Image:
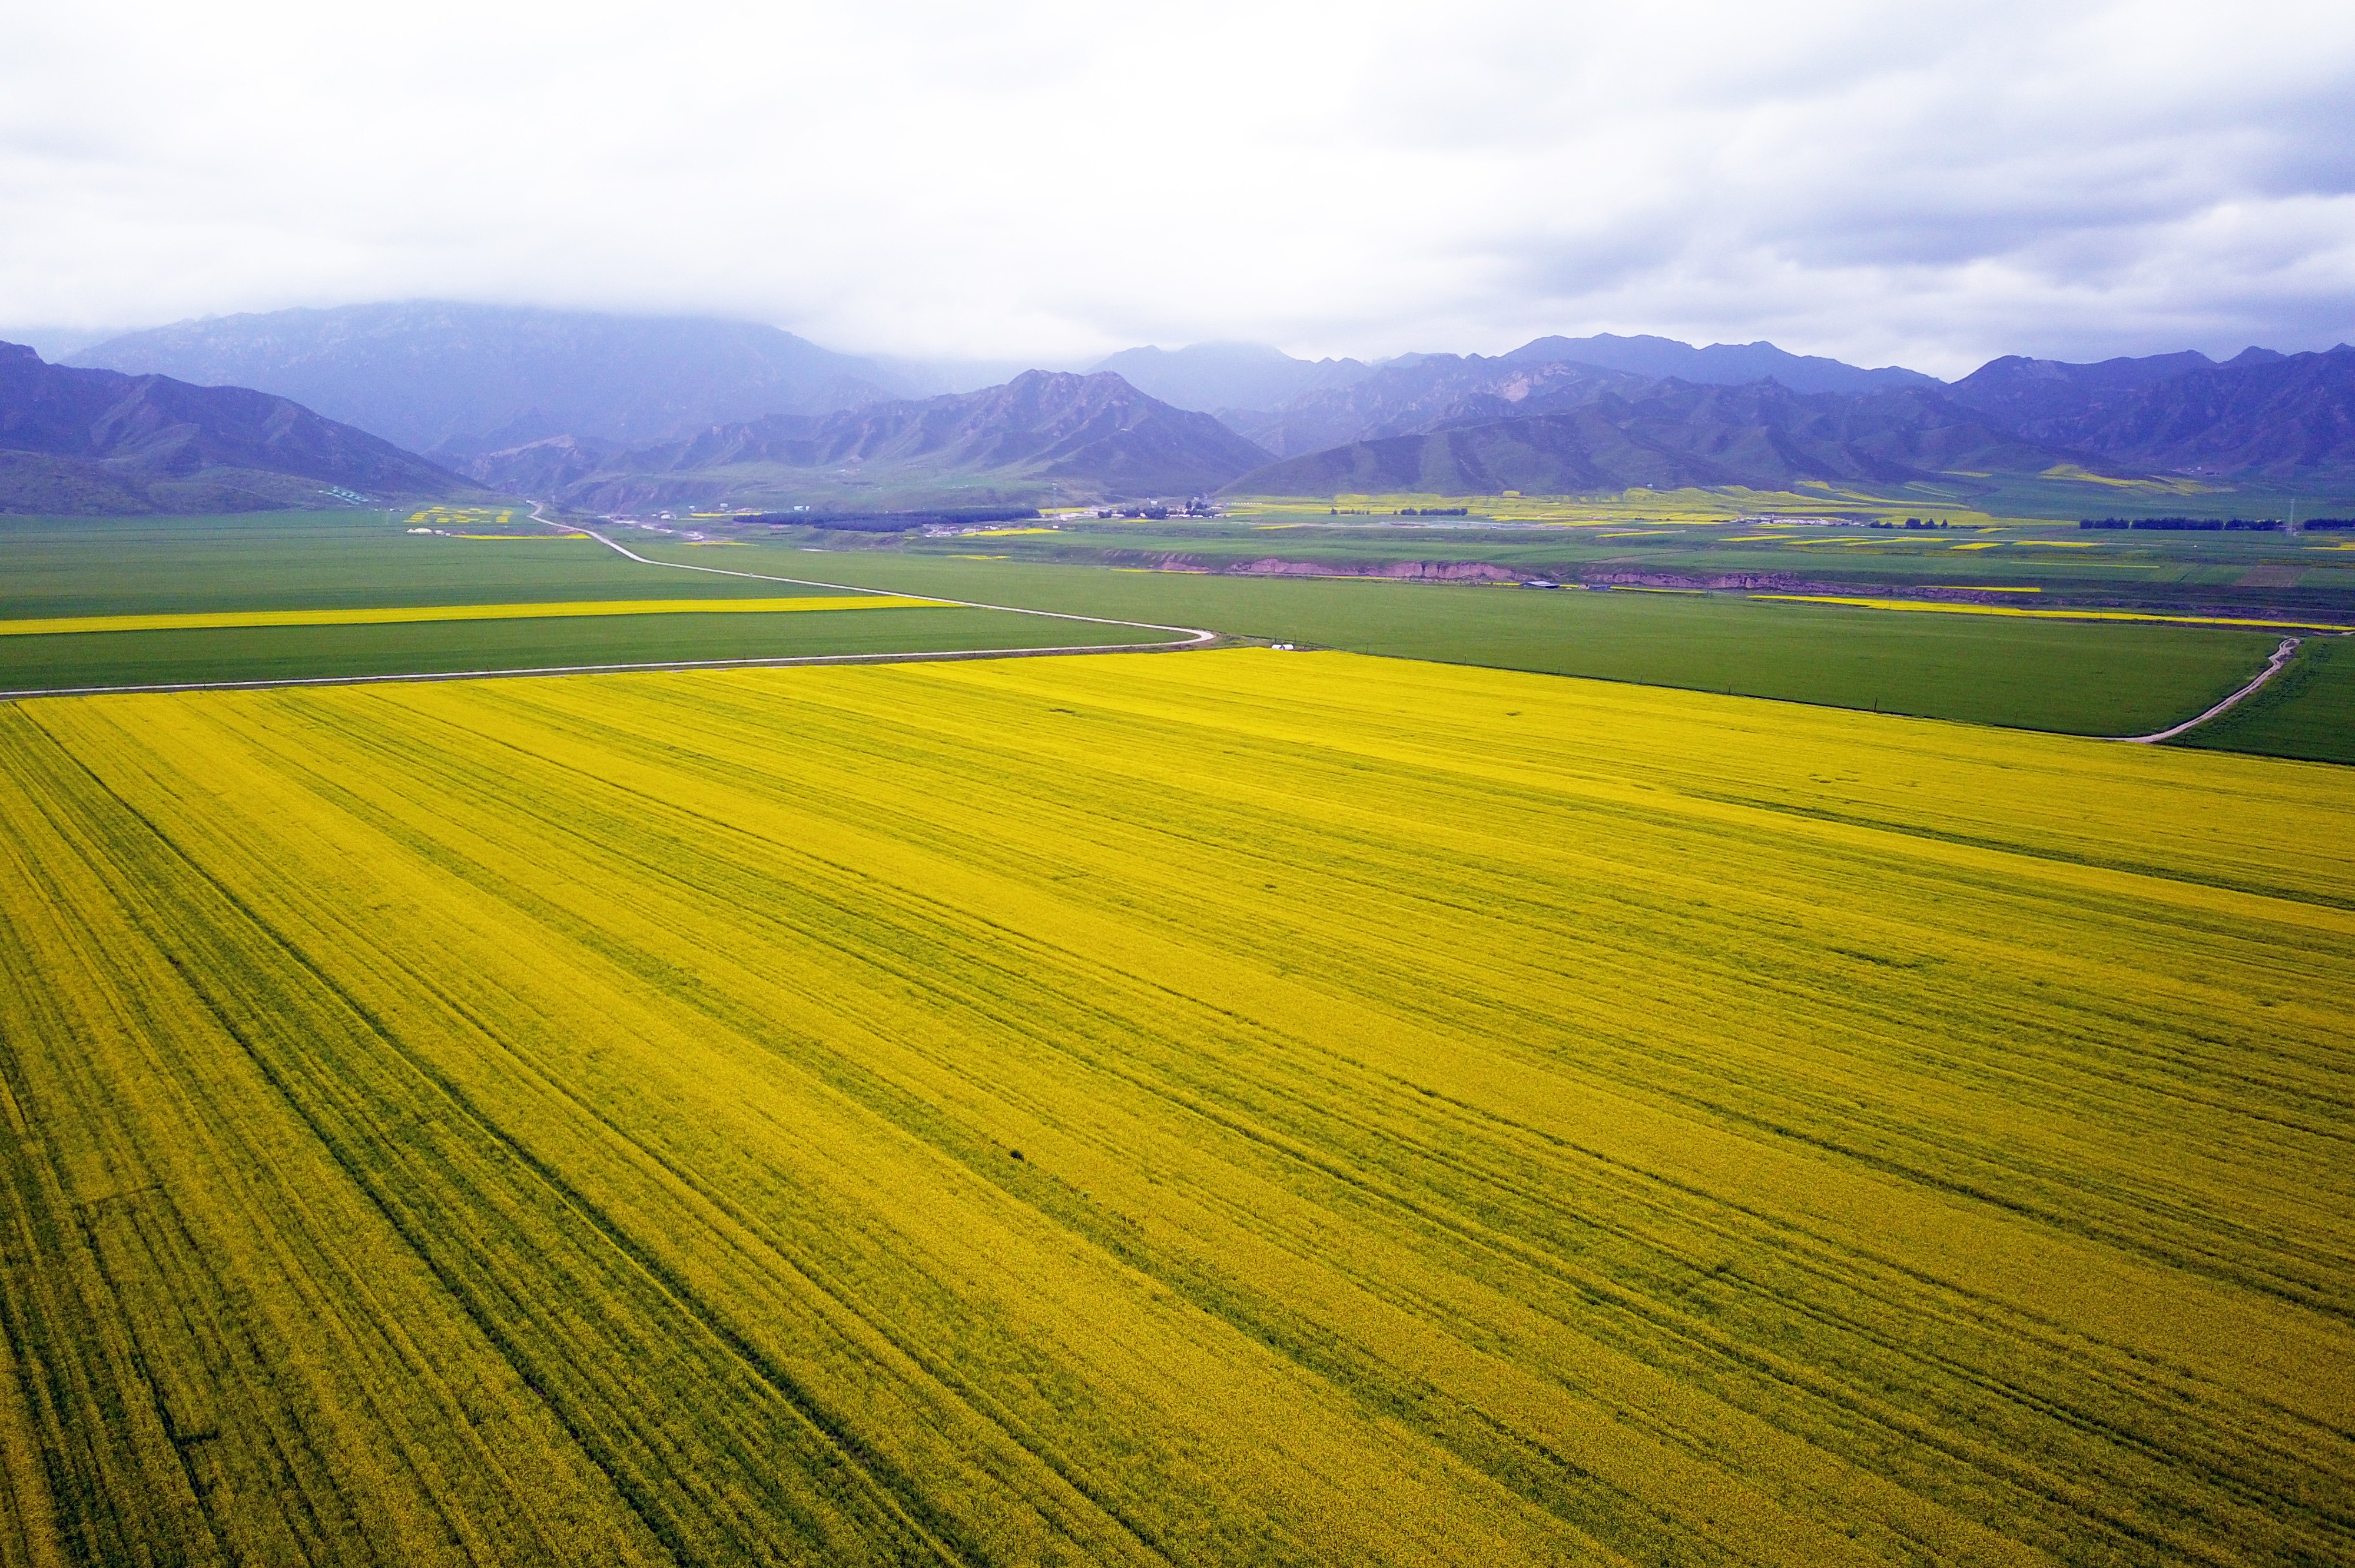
(1422, 392)
(1670, 435)
(646, 412)
(2020, 391)
(2260, 413)
(1428, 392)
(456, 379)
(1044, 433)
(1719, 364)
(98, 442)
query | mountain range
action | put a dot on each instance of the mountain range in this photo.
(2259, 413)
(1671, 434)
(1718, 364)
(94, 441)
(613, 413)
(2260, 416)
(456, 380)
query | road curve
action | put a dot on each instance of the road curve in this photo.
(2273, 667)
(1189, 636)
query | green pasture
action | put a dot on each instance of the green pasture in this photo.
(2061, 496)
(2308, 711)
(2134, 568)
(75, 567)
(292, 653)
(312, 560)
(2074, 677)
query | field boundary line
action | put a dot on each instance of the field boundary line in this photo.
(2274, 666)
(2029, 612)
(273, 683)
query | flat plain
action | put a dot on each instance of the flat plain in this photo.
(2065, 677)
(318, 596)
(1229, 1108)
(2074, 677)
(2304, 573)
(321, 560)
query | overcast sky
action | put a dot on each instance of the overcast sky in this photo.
(1920, 185)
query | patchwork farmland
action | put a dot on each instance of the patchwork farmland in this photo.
(1240, 1107)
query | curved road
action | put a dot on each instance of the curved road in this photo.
(2273, 667)
(1190, 636)
(1187, 637)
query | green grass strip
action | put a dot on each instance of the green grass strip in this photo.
(384, 615)
(2014, 611)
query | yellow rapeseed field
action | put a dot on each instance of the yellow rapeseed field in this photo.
(1231, 1107)
(558, 609)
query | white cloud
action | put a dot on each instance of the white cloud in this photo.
(1923, 185)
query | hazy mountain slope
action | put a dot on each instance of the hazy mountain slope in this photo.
(1672, 435)
(1076, 437)
(1208, 376)
(1425, 393)
(544, 468)
(455, 378)
(1718, 364)
(2261, 413)
(1422, 392)
(98, 441)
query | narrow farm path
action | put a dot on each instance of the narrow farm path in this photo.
(1189, 636)
(2274, 666)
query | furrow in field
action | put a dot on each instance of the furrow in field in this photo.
(1459, 1117)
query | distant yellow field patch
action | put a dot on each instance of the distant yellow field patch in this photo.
(1752, 539)
(2072, 472)
(1949, 607)
(219, 620)
(2048, 544)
